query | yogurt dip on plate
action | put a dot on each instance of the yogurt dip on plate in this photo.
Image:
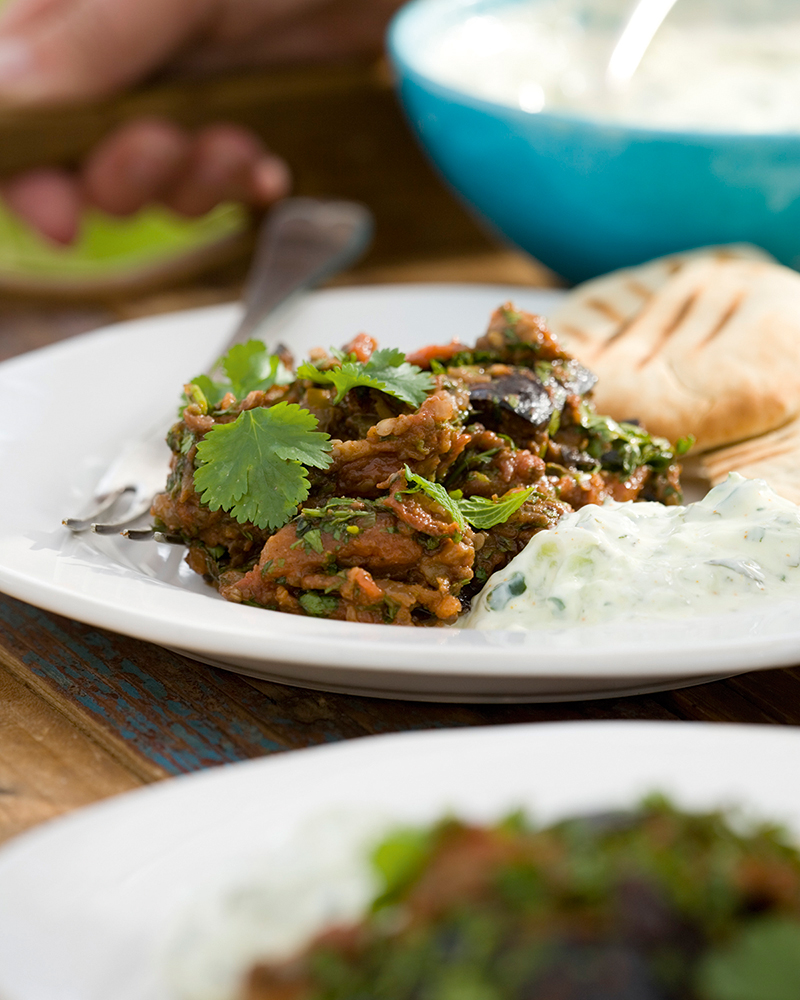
(739, 544)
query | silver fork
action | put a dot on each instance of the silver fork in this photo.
(302, 242)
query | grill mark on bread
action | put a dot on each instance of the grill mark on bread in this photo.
(605, 309)
(669, 329)
(639, 289)
(726, 317)
(575, 331)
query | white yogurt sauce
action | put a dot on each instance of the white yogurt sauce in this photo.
(739, 544)
(712, 76)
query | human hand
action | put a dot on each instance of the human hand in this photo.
(59, 50)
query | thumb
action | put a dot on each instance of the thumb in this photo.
(77, 49)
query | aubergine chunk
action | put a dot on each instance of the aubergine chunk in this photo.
(523, 394)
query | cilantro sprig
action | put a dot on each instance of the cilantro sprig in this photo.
(255, 467)
(246, 367)
(480, 512)
(387, 370)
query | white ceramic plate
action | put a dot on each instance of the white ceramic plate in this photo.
(69, 409)
(89, 903)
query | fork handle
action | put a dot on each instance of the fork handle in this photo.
(303, 241)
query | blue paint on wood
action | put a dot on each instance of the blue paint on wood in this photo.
(195, 726)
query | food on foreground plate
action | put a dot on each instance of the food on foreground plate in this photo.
(706, 344)
(738, 545)
(378, 488)
(654, 904)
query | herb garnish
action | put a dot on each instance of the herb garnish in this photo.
(247, 367)
(254, 467)
(387, 370)
(621, 446)
(480, 512)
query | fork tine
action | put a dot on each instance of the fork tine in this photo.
(106, 503)
(150, 534)
(132, 514)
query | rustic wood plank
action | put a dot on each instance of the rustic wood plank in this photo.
(48, 765)
(176, 717)
(757, 697)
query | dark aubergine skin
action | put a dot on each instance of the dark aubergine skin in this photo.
(527, 396)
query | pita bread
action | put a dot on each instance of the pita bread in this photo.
(702, 344)
(774, 457)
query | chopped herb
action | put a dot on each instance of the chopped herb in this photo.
(387, 370)
(623, 447)
(318, 605)
(502, 594)
(254, 467)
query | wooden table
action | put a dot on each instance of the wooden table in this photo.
(85, 713)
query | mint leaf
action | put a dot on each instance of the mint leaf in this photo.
(438, 493)
(478, 511)
(482, 513)
(387, 370)
(761, 963)
(254, 467)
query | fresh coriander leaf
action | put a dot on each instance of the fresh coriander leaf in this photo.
(250, 366)
(254, 467)
(438, 493)
(482, 513)
(247, 367)
(387, 370)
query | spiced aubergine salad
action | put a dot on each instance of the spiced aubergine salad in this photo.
(653, 904)
(372, 486)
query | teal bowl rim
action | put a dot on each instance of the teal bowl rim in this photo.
(696, 137)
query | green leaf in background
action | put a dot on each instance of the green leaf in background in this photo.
(109, 247)
(399, 859)
(761, 963)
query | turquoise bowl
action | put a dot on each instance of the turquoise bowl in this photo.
(586, 196)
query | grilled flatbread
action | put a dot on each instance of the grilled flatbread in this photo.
(702, 344)
(774, 457)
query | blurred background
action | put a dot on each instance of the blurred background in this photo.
(339, 127)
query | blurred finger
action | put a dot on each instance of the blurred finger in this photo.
(49, 200)
(228, 164)
(136, 165)
(89, 48)
(19, 13)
